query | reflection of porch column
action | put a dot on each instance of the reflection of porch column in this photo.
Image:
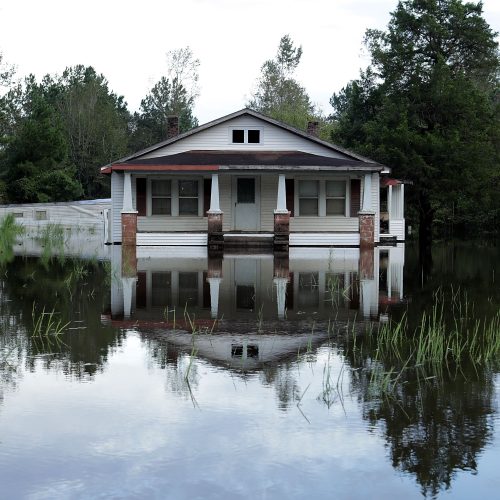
(281, 295)
(214, 296)
(367, 215)
(129, 215)
(389, 202)
(214, 215)
(281, 218)
(128, 286)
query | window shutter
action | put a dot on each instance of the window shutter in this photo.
(355, 197)
(140, 194)
(207, 191)
(290, 195)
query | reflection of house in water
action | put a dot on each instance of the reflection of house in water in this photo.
(158, 285)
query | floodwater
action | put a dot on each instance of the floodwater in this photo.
(168, 374)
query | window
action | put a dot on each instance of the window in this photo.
(18, 215)
(41, 215)
(322, 197)
(335, 192)
(174, 197)
(246, 135)
(188, 197)
(188, 289)
(308, 197)
(161, 197)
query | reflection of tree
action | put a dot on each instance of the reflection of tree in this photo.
(74, 291)
(435, 425)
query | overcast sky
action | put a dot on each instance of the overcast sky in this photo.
(127, 41)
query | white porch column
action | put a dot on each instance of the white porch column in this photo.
(127, 194)
(214, 195)
(214, 296)
(367, 193)
(389, 202)
(402, 201)
(281, 204)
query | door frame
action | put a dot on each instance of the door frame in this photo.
(234, 194)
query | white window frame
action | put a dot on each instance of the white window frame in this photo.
(337, 198)
(245, 132)
(322, 196)
(162, 197)
(174, 196)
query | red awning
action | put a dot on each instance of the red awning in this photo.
(386, 181)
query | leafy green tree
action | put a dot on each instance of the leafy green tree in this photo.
(428, 107)
(174, 94)
(279, 95)
(38, 169)
(95, 122)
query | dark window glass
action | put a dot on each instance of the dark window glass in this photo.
(161, 206)
(188, 188)
(246, 190)
(308, 290)
(239, 136)
(188, 206)
(308, 206)
(254, 136)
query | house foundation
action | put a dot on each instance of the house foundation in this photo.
(129, 228)
(281, 232)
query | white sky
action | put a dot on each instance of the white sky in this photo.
(127, 41)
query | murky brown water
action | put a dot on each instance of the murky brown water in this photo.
(274, 395)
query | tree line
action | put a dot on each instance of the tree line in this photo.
(427, 105)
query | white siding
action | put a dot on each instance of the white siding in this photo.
(116, 207)
(324, 239)
(217, 138)
(397, 228)
(158, 223)
(342, 224)
(268, 200)
(174, 239)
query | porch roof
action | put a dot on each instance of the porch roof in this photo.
(210, 160)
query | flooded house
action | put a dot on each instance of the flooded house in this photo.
(247, 179)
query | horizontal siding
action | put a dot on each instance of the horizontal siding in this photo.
(397, 228)
(217, 138)
(174, 239)
(342, 224)
(159, 223)
(116, 207)
(268, 200)
(324, 239)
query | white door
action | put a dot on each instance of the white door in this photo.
(246, 203)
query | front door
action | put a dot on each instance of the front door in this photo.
(246, 203)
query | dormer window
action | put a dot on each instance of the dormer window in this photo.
(246, 135)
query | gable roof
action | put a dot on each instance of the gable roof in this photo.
(241, 112)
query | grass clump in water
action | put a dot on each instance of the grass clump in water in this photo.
(9, 232)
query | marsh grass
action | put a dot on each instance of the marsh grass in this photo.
(48, 327)
(52, 239)
(448, 338)
(9, 232)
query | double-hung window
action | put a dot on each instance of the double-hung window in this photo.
(335, 193)
(161, 197)
(175, 197)
(308, 197)
(188, 197)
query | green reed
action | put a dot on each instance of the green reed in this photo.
(9, 232)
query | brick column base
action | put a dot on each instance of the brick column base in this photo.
(281, 266)
(215, 233)
(214, 266)
(366, 229)
(129, 228)
(281, 232)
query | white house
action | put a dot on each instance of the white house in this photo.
(246, 178)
